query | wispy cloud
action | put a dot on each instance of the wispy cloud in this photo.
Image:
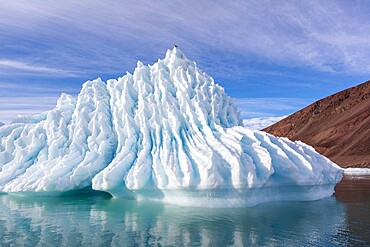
(6, 65)
(261, 123)
(28, 99)
(11, 107)
(326, 35)
(31, 89)
(269, 107)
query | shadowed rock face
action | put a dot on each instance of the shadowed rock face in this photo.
(337, 126)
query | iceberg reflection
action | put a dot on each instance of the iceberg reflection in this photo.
(97, 220)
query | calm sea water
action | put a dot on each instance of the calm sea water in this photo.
(98, 220)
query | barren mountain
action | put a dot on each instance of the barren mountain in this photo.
(337, 126)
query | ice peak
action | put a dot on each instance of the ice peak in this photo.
(175, 53)
(65, 99)
(139, 64)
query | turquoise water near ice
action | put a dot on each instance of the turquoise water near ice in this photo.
(91, 219)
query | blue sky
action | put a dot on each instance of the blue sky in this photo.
(274, 57)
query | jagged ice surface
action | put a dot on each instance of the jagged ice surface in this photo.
(166, 132)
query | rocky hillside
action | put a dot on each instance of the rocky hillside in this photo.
(337, 126)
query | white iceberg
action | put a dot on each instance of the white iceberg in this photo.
(166, 132)
(357, 171)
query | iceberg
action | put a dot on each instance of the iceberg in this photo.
(167, 133)
(357, 171)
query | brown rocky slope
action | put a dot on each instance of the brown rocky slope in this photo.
(337, 126)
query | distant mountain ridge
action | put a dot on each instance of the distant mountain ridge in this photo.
(337, 126)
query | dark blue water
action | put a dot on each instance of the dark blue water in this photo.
(98, 220)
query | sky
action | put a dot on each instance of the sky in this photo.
(273, 57)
